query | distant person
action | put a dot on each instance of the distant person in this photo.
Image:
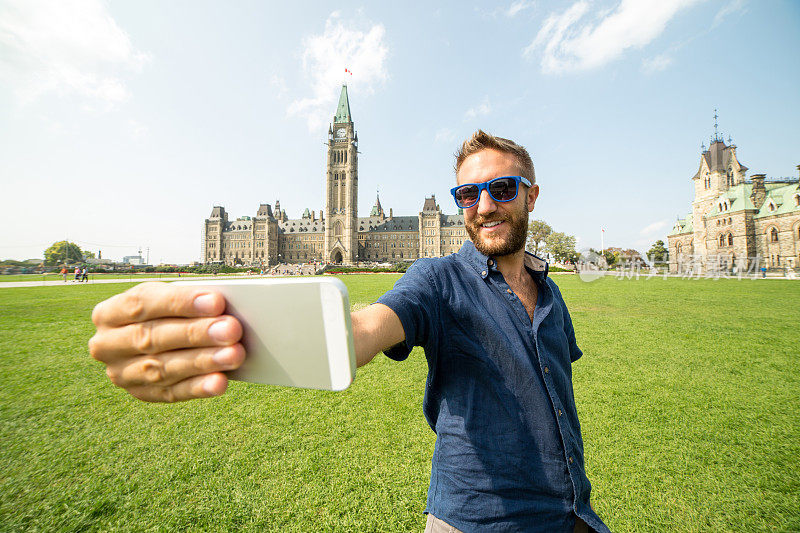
(64, 273)
(85, 275)
(498, 340)
(77, 274)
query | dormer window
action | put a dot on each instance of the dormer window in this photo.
(771, 206)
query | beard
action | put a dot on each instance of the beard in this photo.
(512, 243)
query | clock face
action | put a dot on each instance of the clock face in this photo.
(341, 132)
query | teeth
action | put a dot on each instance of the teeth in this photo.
(491, 224)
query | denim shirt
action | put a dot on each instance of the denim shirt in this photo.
(508, 453)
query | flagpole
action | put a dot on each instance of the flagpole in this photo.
(602, 242)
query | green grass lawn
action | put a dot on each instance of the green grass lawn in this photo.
(688, 393)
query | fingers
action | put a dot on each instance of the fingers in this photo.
(168, 369)
(163, 335)
(154, 300)
(188, 389)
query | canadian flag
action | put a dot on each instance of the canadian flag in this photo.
(348, 71)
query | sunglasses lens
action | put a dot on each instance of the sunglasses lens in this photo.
(503, 189)
(466, 195)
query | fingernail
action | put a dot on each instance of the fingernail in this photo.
(204, 304)
(208, 387)
(219, 331)
(223, 356)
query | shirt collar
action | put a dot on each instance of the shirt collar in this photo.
(483, 264)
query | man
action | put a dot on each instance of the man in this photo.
(497, 336)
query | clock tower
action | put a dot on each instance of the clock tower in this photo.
(341, 187)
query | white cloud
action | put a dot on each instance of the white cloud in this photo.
(325, 56)
(515, 8)
(445, 135)
(579, 39)
(65, 47)
(654, 227)
(656, 63)
(480, 110)
(734, 6)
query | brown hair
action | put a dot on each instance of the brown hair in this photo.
(481, 140)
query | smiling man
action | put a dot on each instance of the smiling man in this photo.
(497, 337)
(500, 346)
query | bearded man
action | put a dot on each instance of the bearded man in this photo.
(498, 340)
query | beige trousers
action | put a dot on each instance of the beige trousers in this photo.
(434, 525)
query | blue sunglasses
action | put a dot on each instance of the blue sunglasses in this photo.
(502, 189)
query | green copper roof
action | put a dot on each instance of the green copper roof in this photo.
(683, 225)
(343, 110)
(781, 199)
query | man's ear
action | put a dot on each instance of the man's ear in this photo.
(533, 194)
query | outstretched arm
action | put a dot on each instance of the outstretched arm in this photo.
(375, 328)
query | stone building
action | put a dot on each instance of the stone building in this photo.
(336, 234)
(735, 221)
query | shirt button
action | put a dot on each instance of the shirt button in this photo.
(509, 291)
(546, 370)
(559, 412)
(483, 273)
(491, 263)
(570, 459)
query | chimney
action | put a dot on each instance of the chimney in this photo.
(759, 193)
(99, 254)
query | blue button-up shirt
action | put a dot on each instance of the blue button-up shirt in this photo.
(508, 453)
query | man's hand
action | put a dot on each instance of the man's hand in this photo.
(167, 343)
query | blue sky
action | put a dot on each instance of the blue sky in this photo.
(125, 122)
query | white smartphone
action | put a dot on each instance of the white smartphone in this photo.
(297, 332)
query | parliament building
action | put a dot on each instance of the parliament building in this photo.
(336, 234)
(736, 221)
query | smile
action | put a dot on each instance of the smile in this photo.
(491, 224)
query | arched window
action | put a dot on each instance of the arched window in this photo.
(773, 235)
(730, 239)
(797, 199)
(722, 240)
(771, 206)
(337, 229)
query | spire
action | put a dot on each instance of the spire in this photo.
(343, 109)
(377, 209)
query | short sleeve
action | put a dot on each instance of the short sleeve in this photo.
(574, 352)
(414, 299)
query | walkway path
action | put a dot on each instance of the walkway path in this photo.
(61, 283)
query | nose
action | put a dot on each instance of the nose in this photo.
(486, 204)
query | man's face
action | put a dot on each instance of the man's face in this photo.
(496, 228)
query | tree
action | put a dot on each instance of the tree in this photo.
(561, 245)
(538, 230)
(657, 252)
(88, 255)
(62, 252)
(607, 255)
